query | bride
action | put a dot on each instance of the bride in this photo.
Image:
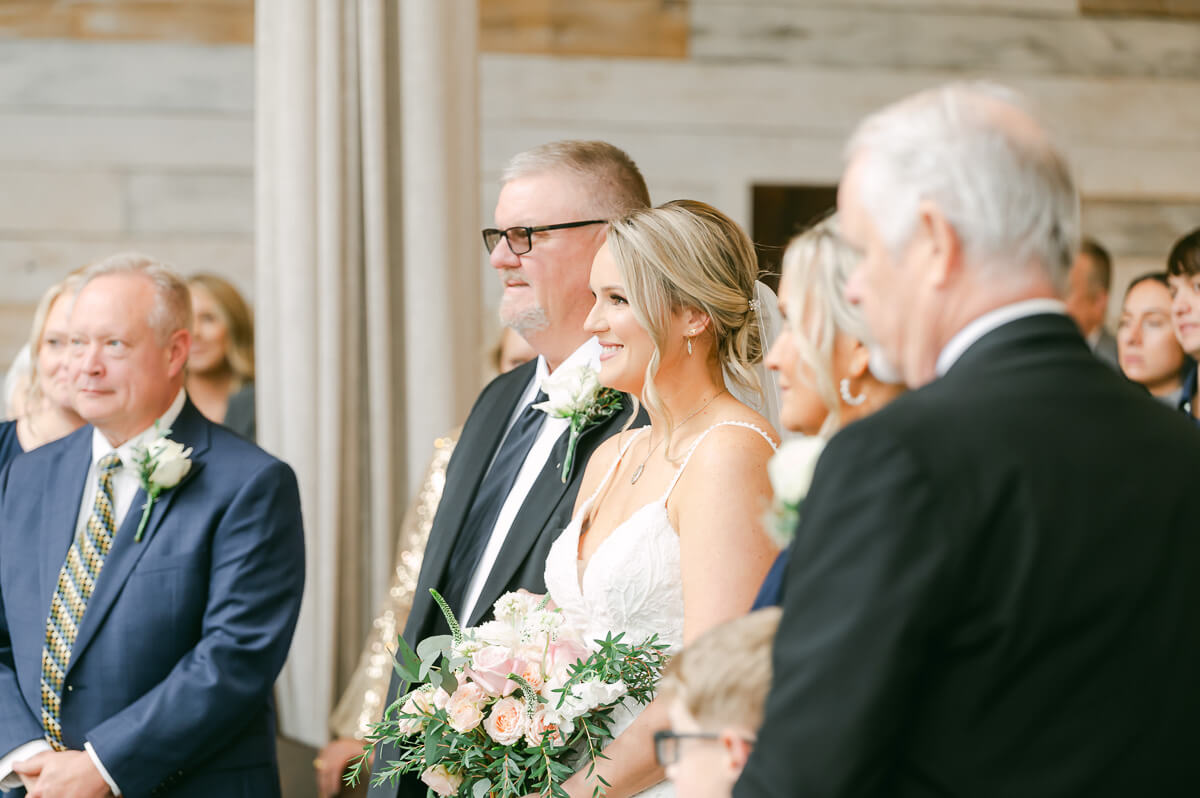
(665, 537)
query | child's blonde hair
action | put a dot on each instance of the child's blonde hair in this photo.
(722, 678)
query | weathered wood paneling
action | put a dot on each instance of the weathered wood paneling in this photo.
(190, 203)
(789, 123)
(108, 146)
(125, 77)
(1167, 8)
(58, 202)
(638, 28)
(30, 264)
(64, 139)
(195, 21)
(979, 42)
(1019, 7)
(1140, 228)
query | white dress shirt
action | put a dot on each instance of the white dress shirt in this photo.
(535, 461)
(989, 321)
(125, 487)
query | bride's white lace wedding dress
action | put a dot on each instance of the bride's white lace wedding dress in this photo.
(633, 582)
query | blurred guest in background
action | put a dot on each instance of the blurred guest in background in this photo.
(16, 383)
(220, 378)
(46, 409)
(820, 354)
(1148, 350)
(1183, 277)
(510, 351)
(1088, 284)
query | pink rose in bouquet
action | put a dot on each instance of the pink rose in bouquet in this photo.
(465, 707)
(442, 781)
(539, 726)
(506, 722)
(490, 668)
(529, 699)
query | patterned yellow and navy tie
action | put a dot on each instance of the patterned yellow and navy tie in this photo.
(76, 582)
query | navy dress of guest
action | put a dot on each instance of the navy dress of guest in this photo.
(771, 592)
(10, 446)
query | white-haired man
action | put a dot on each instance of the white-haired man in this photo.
(983, 599)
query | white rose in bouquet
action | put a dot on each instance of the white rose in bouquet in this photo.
(791, 472)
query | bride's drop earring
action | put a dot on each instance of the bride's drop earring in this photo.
(849, 398)
(688, 338)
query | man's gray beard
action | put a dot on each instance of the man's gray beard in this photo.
(525, 321)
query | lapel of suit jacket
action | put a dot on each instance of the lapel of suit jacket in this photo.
(190, 429)
(538, 506)
(69, 472)
(472, 455)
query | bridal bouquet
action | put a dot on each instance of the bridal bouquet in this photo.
(513, 706)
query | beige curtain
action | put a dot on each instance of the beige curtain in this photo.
(368, 302)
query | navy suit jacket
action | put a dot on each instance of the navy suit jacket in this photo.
(171, 673)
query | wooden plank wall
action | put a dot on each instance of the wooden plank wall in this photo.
(196, 21)
(108, 146)
(770, 89)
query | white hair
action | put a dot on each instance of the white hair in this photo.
(172, 308)
(974, 151)
(614, 182)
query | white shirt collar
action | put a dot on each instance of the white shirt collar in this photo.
(587, 354)
(101, 446)
(992, 320)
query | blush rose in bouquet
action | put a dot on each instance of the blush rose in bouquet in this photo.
(511, 707)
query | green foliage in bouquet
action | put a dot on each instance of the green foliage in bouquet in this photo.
(471, 727)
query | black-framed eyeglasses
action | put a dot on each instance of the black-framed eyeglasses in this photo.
(520, 239)
(666, 744)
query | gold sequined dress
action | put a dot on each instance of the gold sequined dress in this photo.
(362, 703)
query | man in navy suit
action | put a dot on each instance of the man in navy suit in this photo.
(138, 651)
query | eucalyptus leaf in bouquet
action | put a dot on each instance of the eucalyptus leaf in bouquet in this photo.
(511, 707)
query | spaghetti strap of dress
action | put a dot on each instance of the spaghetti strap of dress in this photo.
(696, 443)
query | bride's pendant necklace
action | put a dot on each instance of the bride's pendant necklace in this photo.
(637, 472)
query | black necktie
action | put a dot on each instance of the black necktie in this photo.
(493, 490)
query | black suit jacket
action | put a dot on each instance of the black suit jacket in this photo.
(994, 591)
(522, 560)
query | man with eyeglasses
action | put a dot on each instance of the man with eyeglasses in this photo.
(505, 500)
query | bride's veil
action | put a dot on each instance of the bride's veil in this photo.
(766, 313)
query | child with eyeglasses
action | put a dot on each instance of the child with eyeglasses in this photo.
(715, 690)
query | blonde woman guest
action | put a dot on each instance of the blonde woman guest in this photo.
(510, 351)
(821, 355)
(1147, 349)
(362, 703)
(664, 538)
(47, 412)
(220, 378)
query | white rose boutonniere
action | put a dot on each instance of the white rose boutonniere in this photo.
(791, 472)
(576, 394)
(161, 464)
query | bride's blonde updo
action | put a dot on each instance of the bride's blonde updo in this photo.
(688, 254)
